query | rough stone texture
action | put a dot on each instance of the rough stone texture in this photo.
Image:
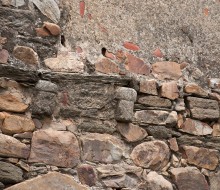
(101, 148)
(124, 110)
(50, 181)
(173, 144)
(106, 66)
(196, 127)
(214, 83)
(201, 157)
(54, 29)
(86, 175)
(43, 103)
(195, 89)
(214, 180)
(123, 93)
(216, 130)
(26, 54)
(4, 55)
(169, 90)
(8, 102)
(9, 173)
(180, 105)
(189, 178)
(154, 155)
(59, 148)
(148, 86)
(203, 109)
(156, 117)
(155, 181)
(46, 86)
(11, 147)
(154, 101)
(166, 70)
(131, 132)
(16, 124)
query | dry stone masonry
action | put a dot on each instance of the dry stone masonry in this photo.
(116, 95)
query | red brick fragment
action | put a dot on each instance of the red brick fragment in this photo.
(82, 6)
(158, 53)
(106, 66)
(109, 55)
(206, 11)
(131, 46)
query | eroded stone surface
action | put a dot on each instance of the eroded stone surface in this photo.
(169, 90)
(106, 66)
(59, 148)
(155, 101)
(189, 178)
(154, 155)
(195, 89)
(124, 110)
(102, 148)
(148, 86)
(123, 93)
(201, 157)
(50, 181)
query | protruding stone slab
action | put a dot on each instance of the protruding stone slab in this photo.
(157, 182)
(124, 110)
(195, 89)
(50, 181)
(148, 86)
(102, 148)
(46, 86)
(166, 70)
(154, 101)
(131, 132)
(153, 155)
(106, 66)
(196, 127)
(189, 178)
(203, 109)
(59, 148)
(16, 124)
(201, 157)
(10, 174)
(124, 93)
(11, 147)
(156, 117)
(169, 90)
(8, 102)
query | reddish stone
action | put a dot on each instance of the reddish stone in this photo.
(216, 130)
(42, 32)
(106, 66)
(158, 53)
(195, 89)
(54, 29)
(148, 86)
(86, 175)
(173, 144)
(79, 49)
(120, 55)
(131, 46)
(4, 56)
(183, 65)
(109, 55)
(82, 8)
(206, 11)
(136, 65)
(170, 90)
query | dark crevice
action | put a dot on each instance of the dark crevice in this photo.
(63, 40)
(104, 51)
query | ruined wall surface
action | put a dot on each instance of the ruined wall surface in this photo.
(109, 95)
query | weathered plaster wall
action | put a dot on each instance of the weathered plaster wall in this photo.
(109, 95)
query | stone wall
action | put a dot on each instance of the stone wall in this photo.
(102, 109)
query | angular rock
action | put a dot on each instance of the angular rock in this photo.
(16, 124)
(86, 175)
(54, 29)
(43, 103)
(169, 90)
(131, 132)
(124, 110)
(214, 180)
(4, 55)
(216, 130)
(153, 155)
(156, 117)
(189, 178)
(26, 54)
(155, 181)
(9, 102)
(106, 66)
(195, 89)
(10, 174)
(69, 62)
(180, 105)
(50, 181)
(203, 109)
(49, 8)
(102, 148)
(59, 148)
(155, 101)
(136, 65)
(201, 157)
(173, 144)
(195, 127)
(11, 147)
(214, 83)
(124, 93)
(148, 86)
(46, 86)
(42, 32)
(166, 70)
